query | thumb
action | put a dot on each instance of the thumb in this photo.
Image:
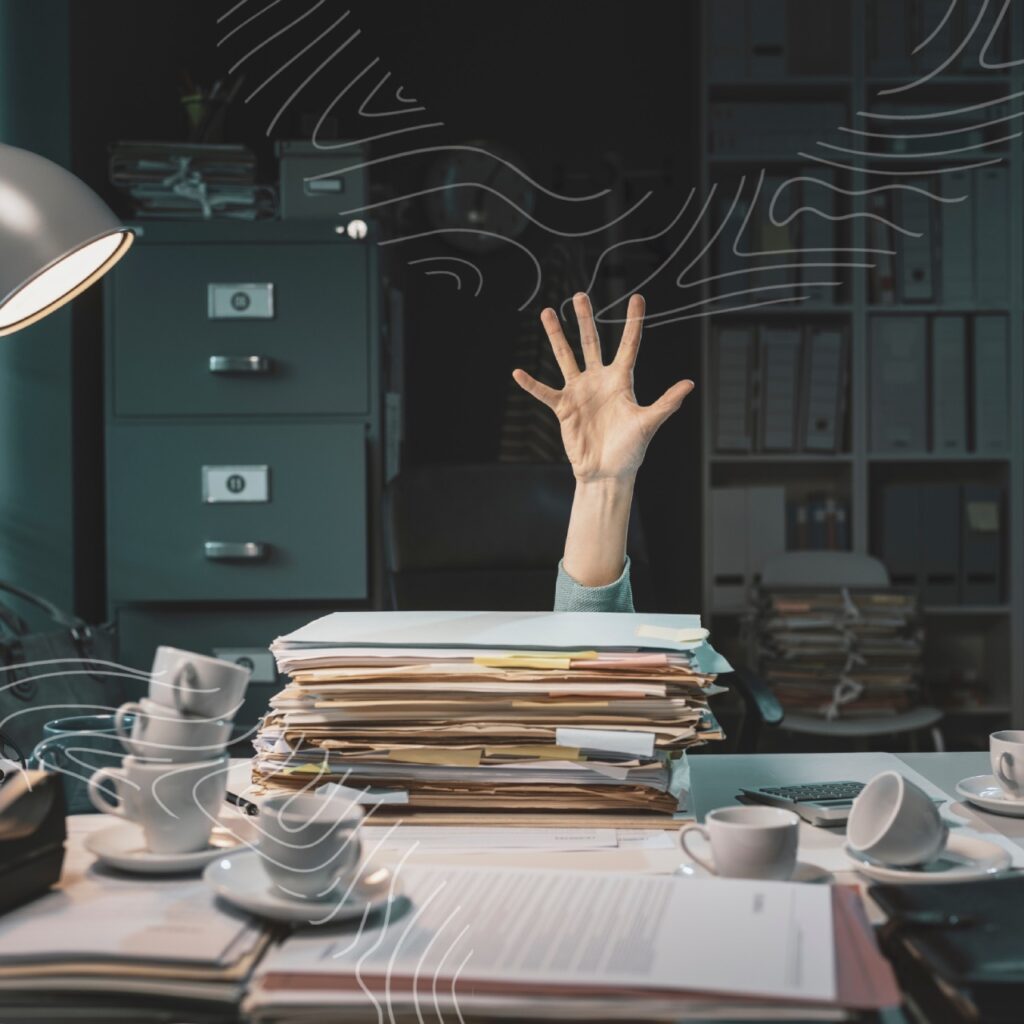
(659, 411)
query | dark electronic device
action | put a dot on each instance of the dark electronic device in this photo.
(820, 803)
(32, 834)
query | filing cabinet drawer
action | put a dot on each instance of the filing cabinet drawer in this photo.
(241, 329)
(183, 525)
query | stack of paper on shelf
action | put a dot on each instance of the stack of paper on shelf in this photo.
(107, 948)
(474, 711)
(471, 944)
(840, 653)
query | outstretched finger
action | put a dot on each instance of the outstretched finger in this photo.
(630, 343)
(589, 340)
(549, 396)
(669, 402)
(559, 345)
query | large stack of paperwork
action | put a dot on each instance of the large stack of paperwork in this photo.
(491, 711)
(840, 653)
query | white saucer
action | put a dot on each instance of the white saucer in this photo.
(123, 846)
(965, 858)
(983, 791)
(240, 880)
(803, 872)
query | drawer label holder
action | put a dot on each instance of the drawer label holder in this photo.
(236, 484)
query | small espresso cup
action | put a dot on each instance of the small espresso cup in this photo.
(176, 804)
(310, 845)
(895, 822)
(196, 684)
(148, 729)
(747, 842)
(1006, 751)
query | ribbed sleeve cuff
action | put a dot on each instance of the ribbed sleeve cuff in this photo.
(571, 596)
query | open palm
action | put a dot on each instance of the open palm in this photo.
(604, 430)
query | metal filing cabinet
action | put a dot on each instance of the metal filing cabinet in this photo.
(243, 434)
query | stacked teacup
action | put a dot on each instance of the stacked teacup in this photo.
(174, 779)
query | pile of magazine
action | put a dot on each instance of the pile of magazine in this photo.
(840, 653)
(189, 181)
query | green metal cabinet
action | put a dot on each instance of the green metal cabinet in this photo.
(243, 437)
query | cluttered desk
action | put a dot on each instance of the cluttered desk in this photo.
(484, 816)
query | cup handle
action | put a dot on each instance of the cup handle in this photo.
(185, 679)
(1004, 776)
(684, 833)
(122, 730)
(96, 797)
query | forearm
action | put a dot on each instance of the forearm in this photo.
(595, 545)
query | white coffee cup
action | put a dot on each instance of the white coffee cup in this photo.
(896, 822)
(747, 842)
(176, 804)
(162, 733)
(1006, 752)
(196, 684)
(310, 846)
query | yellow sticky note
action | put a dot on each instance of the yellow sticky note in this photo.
(307, 769)
(677, 636)
(533, 662)
(537, 752)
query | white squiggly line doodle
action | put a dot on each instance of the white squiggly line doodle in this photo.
(249, 20)
(455, 259)
(983, 56)
(409, 925)
(932, 135)
(501, 195)
(288, 63)
(266, 42)
(916, 173)
(309, 78)
(363, 112)
(361, 142)
(935, 114)
(401, 98)
(438, 932)
(446, 273)
(938, 28)
(227, 14)
(906, 87)
(477, 231)
(920, 156)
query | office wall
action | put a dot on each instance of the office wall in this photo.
(38, 437)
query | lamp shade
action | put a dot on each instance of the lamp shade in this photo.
(56, 237)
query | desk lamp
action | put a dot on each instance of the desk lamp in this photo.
(56, 238)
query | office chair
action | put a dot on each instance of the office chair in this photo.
(489, 537)
(834, 570)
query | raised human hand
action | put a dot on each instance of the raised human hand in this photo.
(604, 430)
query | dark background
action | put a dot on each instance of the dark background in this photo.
(583, 95)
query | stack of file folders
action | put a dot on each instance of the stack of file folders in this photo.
(181, 180)
(840, 653)
(445, 712)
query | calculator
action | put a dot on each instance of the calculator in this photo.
(820, 803)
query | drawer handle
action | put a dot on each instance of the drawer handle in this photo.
(235, 551)
(241, 364)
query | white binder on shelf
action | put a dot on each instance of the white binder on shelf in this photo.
(898, 376)
(732, 351)
(956, 239)
(991, 236)
(915, 251)
(991, 386)
(779, 357)
(824, 389)
(766, 528)
(949, 387)
(817, 232)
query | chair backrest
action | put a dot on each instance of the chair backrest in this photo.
(823, 569)
(482, 537)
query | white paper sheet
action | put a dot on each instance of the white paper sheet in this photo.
(636, 744)
(494, 630)
(600, 930)
(467, 839)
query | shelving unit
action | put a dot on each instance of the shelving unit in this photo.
(986, 638)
